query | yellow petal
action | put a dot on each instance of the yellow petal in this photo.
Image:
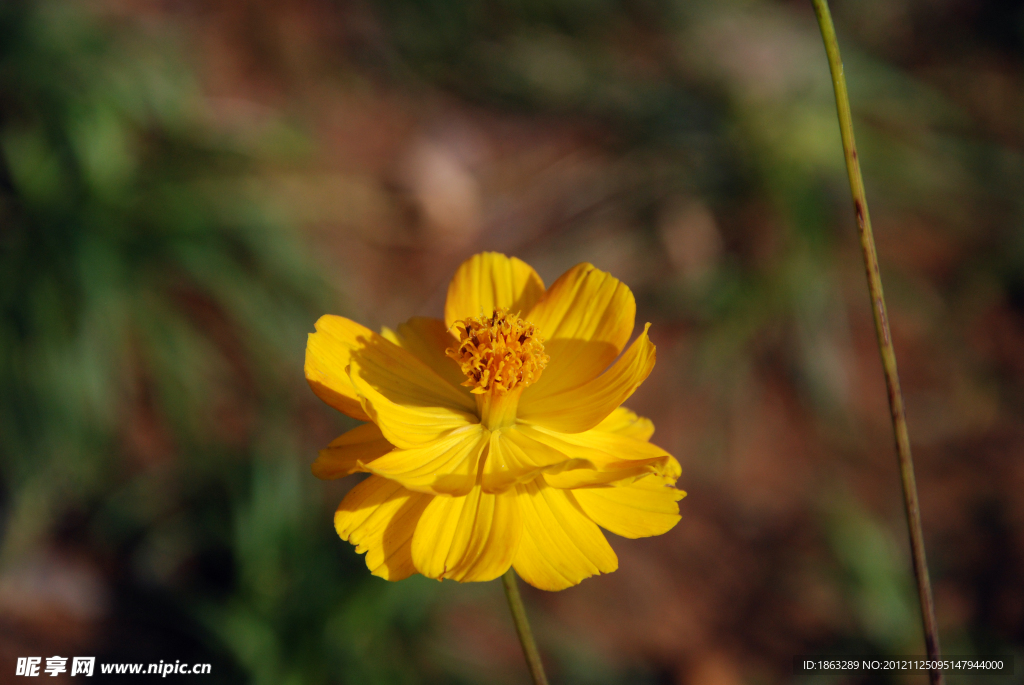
(347, 453)
(448, 465)
(427, 339)
(470, 538)
(411, 404)
(327, 356)
(584, 407)
(560, 545)
(489, 281)
(625, 422)
(605, 458)
(645, 507)
(515, 457)
(585, 319)
(379, 517)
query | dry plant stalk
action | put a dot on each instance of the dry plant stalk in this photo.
(885, 347)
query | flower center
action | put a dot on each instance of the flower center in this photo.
(498, 353)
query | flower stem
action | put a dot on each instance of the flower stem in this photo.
(515, 603)
(892, 379)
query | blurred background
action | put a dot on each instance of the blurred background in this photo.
(186, 186)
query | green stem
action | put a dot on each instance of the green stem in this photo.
(892, 379)
(515, 603)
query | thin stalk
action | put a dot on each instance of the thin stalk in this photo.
(515, 603)
(892, 379)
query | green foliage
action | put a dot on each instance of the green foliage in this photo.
(144, 289)
(121, 231)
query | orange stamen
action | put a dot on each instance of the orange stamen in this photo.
(498, 353)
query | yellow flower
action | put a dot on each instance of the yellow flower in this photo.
(496, 437)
